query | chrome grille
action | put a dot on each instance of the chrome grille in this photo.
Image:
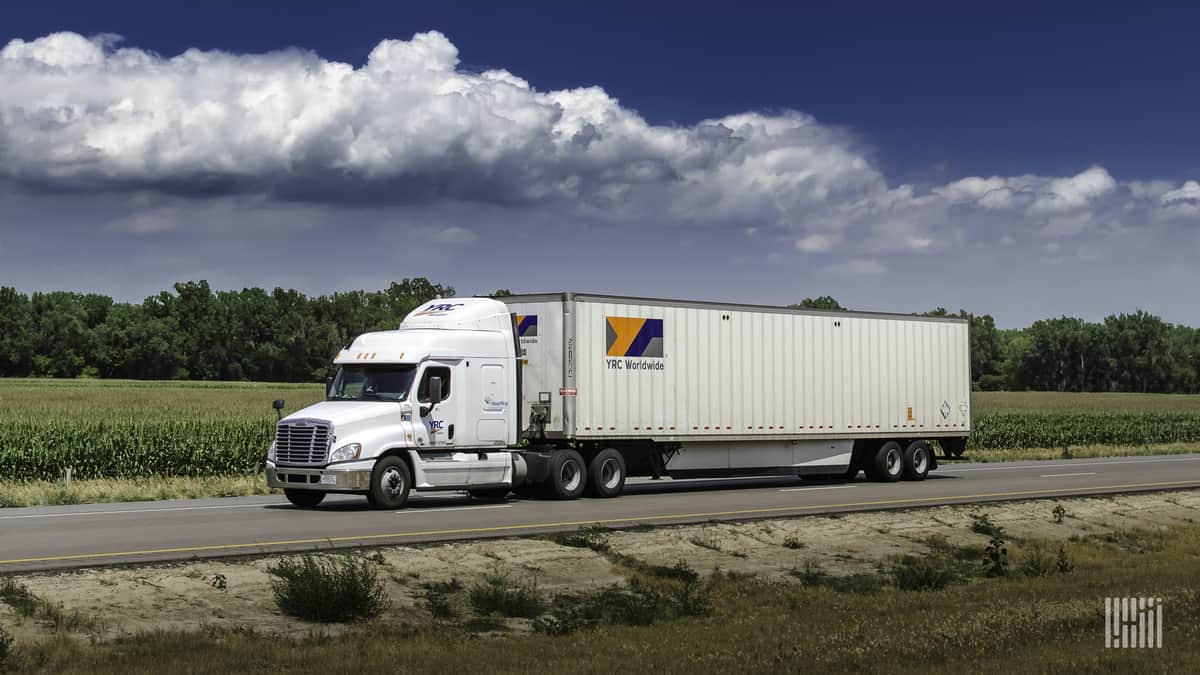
(302, 442)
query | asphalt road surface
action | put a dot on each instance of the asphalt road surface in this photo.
(54, 537)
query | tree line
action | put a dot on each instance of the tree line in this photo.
(1136, 352)
(193, 332)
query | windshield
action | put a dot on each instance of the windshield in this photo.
(372, 383)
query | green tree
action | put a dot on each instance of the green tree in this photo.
(16, 333)
(824, 302)
(1138, 357)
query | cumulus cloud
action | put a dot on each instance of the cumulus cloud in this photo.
(412, 127)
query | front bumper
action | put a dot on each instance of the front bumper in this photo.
(350, 479)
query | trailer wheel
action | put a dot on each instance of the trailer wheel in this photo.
(568, 475)
(888, 463)
(606, 474)
(390, 482)
(916, 460)
(305, 499)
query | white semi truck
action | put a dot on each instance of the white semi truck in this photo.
(568, 394)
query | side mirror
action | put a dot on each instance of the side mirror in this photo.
(277, 404)
(435, 391)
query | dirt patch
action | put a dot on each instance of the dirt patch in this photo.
(201, 594)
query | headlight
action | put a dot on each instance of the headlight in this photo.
(346, 453)
(271, 452)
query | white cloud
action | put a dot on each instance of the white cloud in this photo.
(455, 235)
(410, 127)
(815, 243)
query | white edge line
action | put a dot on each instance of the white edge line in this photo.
(823, 487)
(455, 508)
(1064, 475)
(124, 511)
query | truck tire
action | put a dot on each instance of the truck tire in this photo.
(887, 464)
(606, 474)
(489, 495)
(568, 475)
(390, 482)
(916, 460)
(305, 499)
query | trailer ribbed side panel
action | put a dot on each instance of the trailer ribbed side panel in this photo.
(647, 370)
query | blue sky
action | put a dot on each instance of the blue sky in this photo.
(1079, 120)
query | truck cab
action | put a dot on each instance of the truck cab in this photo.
(430, 406)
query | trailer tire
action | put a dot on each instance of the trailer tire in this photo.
(917, 458)
(305, 499)
(568, 475)
(390, 483)
(887, 464)
(606, 474)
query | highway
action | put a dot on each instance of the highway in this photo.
(57, 537)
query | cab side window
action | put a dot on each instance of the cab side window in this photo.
(434, 371)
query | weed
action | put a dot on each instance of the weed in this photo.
(486, 624)
(995, 558)
(707, 541)
(332, 589)
(6, 642)
(927, 573)
(219, 582)
(1037, 563)
(811, 575)
(981, 523)
(793, 543)
(438, 599)
(593, 537)
(14, 594)
(1062, 563)
(680, 571)
(497, 593)
(447, 587)
(1059, 513)
(377, 558)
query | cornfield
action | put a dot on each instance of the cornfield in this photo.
(1005, 431)
(123, 429)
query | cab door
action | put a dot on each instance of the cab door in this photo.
(443, 464)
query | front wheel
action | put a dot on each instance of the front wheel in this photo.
(305, 499)
(568, 475)
(390, 482)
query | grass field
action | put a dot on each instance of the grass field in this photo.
(106, 429)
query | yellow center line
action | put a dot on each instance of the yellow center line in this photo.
(592, 521)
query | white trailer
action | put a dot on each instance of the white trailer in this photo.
(609, 387)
